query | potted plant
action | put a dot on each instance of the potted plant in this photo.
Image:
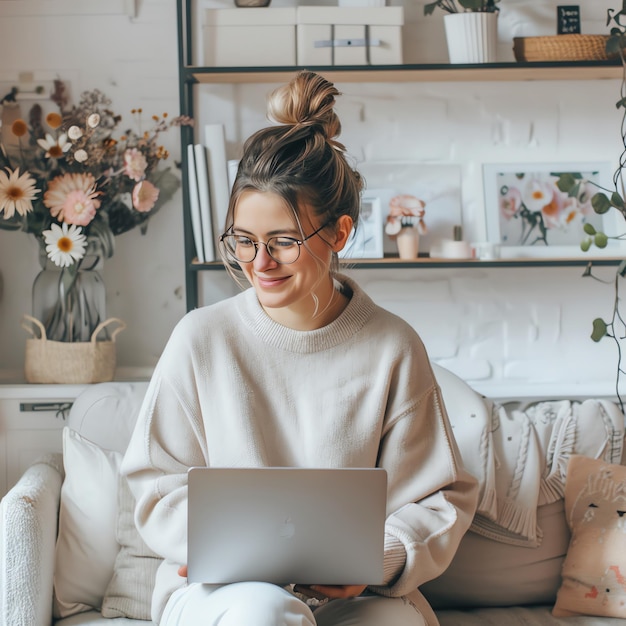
(606, 200)
(471, 29)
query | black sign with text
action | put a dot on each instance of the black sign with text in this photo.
(568, 19)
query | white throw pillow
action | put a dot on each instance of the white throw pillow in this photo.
(86, 546)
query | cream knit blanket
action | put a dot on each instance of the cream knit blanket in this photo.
(519, 453)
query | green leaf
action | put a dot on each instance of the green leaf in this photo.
(429, 9)
(617, 200)
(599, 329)
(600, 203)
(601, 240)
(585, 244)
(472, 5)
(566, 182)
(100, 228)
(589, 229)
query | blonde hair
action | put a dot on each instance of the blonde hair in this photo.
(299, 158)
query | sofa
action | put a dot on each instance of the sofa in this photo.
(70, 554)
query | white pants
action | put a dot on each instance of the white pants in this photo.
(263, 604)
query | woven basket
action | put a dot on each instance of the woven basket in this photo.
(561, 48)
(79, 362)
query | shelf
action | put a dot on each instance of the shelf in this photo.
(427, 263)
(581, 70)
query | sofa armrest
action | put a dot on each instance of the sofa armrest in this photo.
(28, 529)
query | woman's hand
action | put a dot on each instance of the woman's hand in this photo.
(182, 571)
(330, 591)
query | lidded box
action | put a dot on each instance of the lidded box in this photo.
(349, 35)
(249, 37)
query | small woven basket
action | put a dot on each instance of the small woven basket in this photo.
(61, 362)
(561, 48)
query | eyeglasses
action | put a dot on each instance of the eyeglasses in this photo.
(284, 250)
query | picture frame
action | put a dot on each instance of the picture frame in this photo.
(366, 242)
(528, 216)
(438, 185)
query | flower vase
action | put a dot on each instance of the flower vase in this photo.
(408, 240)
(70, 302)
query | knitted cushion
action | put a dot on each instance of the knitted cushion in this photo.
(129, 593)
(594, 572)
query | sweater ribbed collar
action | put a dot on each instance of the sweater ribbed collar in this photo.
(356, 314)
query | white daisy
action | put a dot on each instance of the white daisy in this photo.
(81, 156)
(55, 148)
(16, 193)
(74, 133)
(65, 244)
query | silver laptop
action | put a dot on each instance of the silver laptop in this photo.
(286, 525)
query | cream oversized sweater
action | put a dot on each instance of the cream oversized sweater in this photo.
(234, 388)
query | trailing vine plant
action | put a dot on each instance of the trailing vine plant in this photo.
(606, 200)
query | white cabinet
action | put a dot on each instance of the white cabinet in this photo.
(31, 421)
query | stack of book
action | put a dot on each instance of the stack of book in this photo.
(210, 178)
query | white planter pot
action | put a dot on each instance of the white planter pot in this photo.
(472, 37)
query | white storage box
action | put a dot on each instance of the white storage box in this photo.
(249, 37)
(350, 35)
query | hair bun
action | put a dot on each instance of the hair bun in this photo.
(307, 101)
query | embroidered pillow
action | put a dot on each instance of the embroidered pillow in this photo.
(594, 571)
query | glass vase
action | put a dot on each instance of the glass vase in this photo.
(71, 301)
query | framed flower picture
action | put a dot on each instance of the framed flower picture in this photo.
(527, 215)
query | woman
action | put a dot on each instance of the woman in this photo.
(302, 369)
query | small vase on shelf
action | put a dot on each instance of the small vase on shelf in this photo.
(408, 242)
(405, 223)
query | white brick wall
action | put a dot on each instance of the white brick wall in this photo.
(508, 331)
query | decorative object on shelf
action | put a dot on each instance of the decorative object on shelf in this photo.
(485, 250)
(456, 248)
(437, 185)
(60, 362)
(69, 181)
(529, 215)
(471, 29)
(340, 35)
(269, 36)
(405, 224)
(561, 48)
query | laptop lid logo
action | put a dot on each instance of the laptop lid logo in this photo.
(287, 529)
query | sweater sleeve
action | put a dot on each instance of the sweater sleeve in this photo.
(167, 441)
(431, 497)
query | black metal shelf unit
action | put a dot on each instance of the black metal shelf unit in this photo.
(191, 75)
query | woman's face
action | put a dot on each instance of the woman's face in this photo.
(286, 291)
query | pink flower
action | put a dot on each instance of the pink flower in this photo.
(145, 195)
(537, 194)
(510, 202)
(135, 164)
(73, 198)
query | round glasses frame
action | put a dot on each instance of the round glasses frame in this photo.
(230, 241)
